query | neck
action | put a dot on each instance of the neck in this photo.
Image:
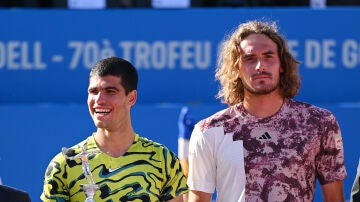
(116, 143)
(263, 106)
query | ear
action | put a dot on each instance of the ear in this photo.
(132, 96)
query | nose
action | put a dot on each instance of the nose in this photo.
(99, 97)
(259, 66)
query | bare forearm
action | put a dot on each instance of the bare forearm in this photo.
(333, 192)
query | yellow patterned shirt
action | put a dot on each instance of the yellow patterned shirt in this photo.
(148, 171)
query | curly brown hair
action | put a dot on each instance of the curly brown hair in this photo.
(227, 72)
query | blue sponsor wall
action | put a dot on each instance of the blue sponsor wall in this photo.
(45, 56)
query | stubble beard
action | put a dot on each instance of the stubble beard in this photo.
(262, 89)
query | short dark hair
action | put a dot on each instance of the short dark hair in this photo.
(117, 67)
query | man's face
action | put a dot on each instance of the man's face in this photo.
(108, 104)
(259, 64)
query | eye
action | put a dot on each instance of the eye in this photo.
(92, 91)
(270, 57)
(111, 91)
(249, 58)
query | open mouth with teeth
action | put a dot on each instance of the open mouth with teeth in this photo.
(102, 111)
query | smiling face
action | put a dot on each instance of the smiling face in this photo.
(108, 103)
(259, 65)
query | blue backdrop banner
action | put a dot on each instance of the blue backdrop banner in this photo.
(45, 55)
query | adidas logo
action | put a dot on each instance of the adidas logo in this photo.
(265, 136)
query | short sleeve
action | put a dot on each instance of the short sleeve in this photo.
(202, 168)
(175, 184)
(55, 189)
(330, 162)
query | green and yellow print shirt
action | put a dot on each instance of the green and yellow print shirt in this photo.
(148, 171)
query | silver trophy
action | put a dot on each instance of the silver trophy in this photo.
(91, 187)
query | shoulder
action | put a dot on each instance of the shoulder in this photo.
(311, 115)
(219, 117)
(311, 109)
(156, 150)
(151, 145)
(147, 142)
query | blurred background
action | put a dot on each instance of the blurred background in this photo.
(48, 46)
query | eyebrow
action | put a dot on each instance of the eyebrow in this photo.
(247, 55)
(106, 88)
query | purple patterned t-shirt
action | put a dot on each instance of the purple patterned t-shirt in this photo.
(283, 154)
